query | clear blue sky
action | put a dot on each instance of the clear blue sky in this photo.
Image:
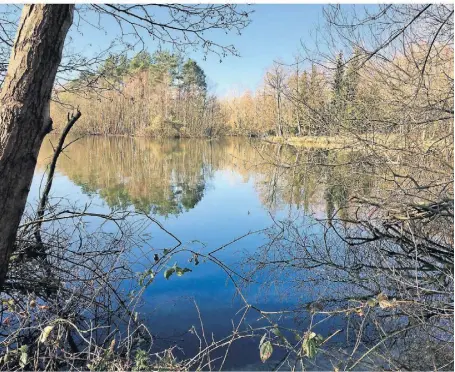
(275, 33)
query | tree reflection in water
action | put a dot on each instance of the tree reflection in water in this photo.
(344, 251)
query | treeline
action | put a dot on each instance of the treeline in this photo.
(162, 95)
(349, 96)
(157, 94)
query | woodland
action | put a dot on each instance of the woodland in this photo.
(363, 122)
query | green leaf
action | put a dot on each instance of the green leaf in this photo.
(179, 271)
(265, 351)
(141, 362)
(169, 272)
(143, 277)
(45, 333)
(311, 343)
(372, 302)
(262, 339)
(277, 332)
(24, 356)
(6, 358)
(308, 348)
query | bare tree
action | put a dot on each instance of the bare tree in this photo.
(276, 78)
(35, 57)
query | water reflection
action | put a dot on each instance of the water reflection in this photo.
(209, 192)
(170, 177)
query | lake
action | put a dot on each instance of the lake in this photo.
(209, 193)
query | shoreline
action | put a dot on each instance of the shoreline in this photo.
(315, 142)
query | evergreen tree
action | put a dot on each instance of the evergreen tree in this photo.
(114, 68)
(338, 109)
(166, 63)
(352, 75)
(193, 77)
(338, 81)
(315, 101)
(122, 65)
(141, 61)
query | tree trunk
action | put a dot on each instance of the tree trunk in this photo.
(24, 111)
(278, 113)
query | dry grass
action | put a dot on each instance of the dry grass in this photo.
(357, 142)
(313, 141)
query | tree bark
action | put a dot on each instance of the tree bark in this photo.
(24, 111)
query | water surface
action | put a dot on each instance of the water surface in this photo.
(207, 193)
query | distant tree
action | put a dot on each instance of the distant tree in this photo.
(35, 58)
(113, 69)
(316, 102)
(303, 100)
(353, 109)
(352, 75)
(141, 61)
(295, 93)
(164, 61)
(338, 80)
(276, 78)
(193, 77)
(338, 94)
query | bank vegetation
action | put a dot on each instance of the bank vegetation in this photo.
(382, 260)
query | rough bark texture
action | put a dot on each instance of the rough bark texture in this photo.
(24, 111)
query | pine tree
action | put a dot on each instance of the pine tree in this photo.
(166, 63)
(193, 77)
(141, 61)
(352, 75)
(338, 81)
(338, 109)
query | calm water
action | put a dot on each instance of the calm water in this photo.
(207, 193)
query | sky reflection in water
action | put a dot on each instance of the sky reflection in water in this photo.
(204, 192)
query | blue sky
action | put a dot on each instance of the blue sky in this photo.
(275, 33)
